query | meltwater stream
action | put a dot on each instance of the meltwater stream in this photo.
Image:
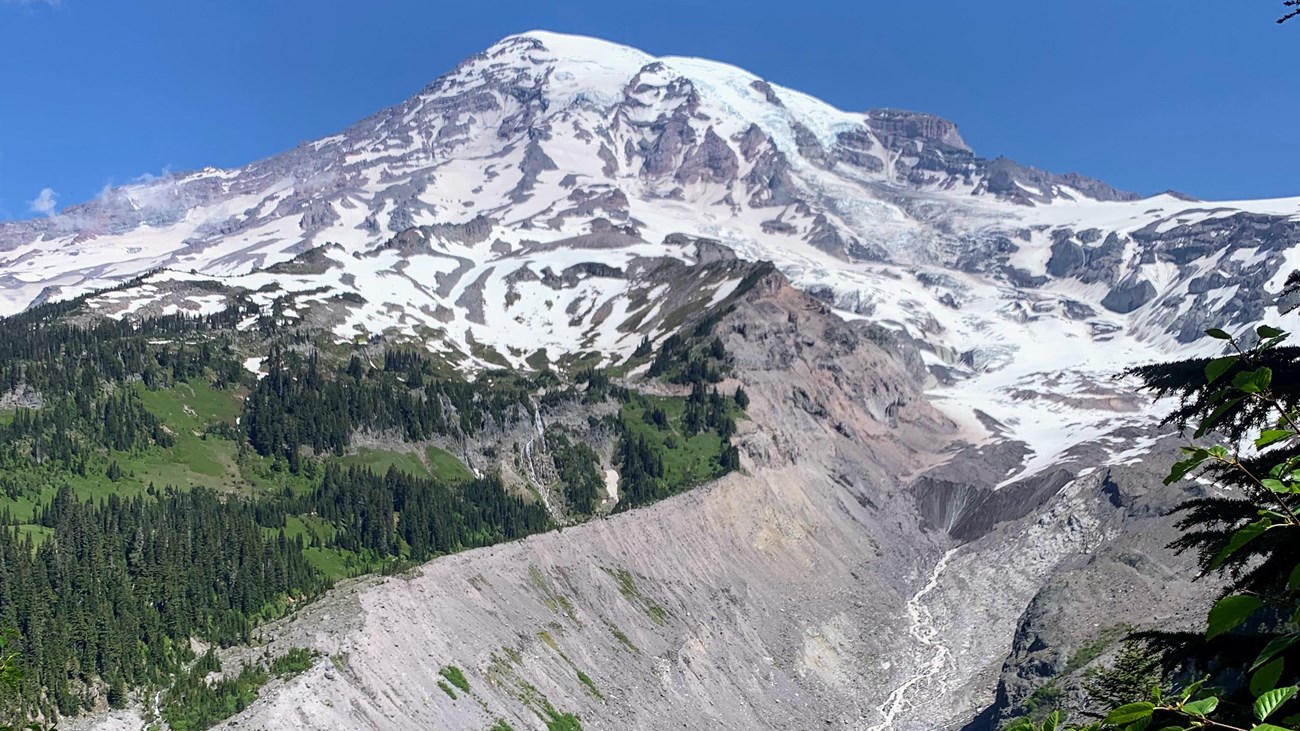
(921, 627)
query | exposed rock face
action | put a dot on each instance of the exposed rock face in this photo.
(854, 148)
(962, 499)
(474, 231)
(1080, 617)
(318, 215)
(935, 154)
(895, 126)
(713, 160)
(1095, 189)
(1089, 264)
(534, 163)
(1067, 257)
(1128, 295)
(1249, 253)
(768, 92)
(21, 397)
(707, 251)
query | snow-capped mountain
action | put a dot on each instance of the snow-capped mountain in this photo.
(526, 201)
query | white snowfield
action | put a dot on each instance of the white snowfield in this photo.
(605, 152)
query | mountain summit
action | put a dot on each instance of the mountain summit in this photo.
(506, 214)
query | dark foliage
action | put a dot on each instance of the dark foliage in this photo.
(121, 586)
(577, 465)
(301, 403)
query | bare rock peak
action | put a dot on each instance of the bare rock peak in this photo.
(898, 123)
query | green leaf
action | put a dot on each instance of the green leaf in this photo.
(1053, 719)
(1229, 612)
(1268, 331)
(1218, 334)
(1293, 583)
(1255, 381)
(1280, 471)
(1139, 725)
(1130, 713)
(1180, 469)
(1202, 708)
(1215, 416)
(1274, 648)
(1272, 436)
(1217, 367)
(1268, 727)
(1264, 377)
(1265, 679)
(1190, 690)
(1276, 485)
(1240, 538)
(1272, 700)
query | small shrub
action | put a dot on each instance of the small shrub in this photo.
(455, 677)
(294, 662)
(591, 685)
(447, 689)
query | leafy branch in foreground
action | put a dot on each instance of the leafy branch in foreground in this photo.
(1246, 664)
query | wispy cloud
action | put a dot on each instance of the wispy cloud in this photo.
(146, 178)
(50, 3)
(150, 177)
(45, 203)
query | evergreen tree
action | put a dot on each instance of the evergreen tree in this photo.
(577, 464)
(1130, 679)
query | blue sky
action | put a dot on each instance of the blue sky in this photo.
(1146, 94)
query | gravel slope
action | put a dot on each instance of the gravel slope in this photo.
(807, 591)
